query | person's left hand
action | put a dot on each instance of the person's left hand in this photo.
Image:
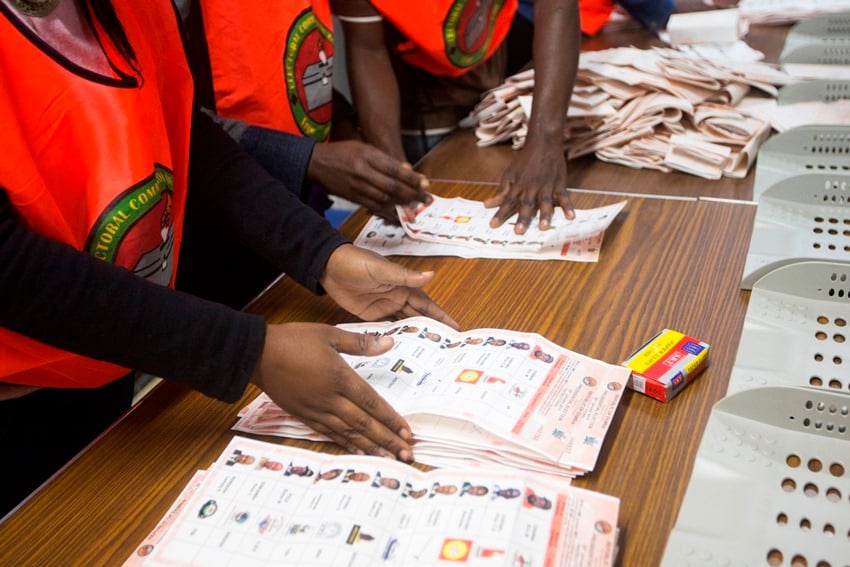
(535, 180)
(371, 287)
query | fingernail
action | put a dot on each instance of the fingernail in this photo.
(405, 455)
(405, 434)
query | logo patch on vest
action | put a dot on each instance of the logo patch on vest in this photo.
(136, 231)
(468, 30)
(308, 69)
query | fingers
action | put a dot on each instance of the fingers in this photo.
(398, 181)
(359, 344)
(420, 304)
(563, 196)
(365, 433)
(362, 420)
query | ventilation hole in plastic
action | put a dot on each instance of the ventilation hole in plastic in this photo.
(833, 494)
(811, 489)
(838, 337)
(809, 404)
(833, 220)
(805, 524)
(821, 406)
(799, 561)
(835, 384)
(820, 335)
(818, 219)
(831, 246)
(840, 322)
(836, 469)
(818, 357)
(832, 232)
(775, 558)
(815, 381)
(782, 519)
(845, 410)
(823, 564)
(815, 465)
(823, 320)
(816, 245)
(806, 422)
(818, 424)
(829, 529)
(817, 230)
(832, 409)
(793, 461)
(837, 360)
(789, 485)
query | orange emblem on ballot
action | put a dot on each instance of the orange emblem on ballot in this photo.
(469, 376)
(456, 549)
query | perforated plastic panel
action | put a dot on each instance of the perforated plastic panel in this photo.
(770, 485)
(797, 330)
(815, 90)
(823, 40)
(804, 149)
(805, 217)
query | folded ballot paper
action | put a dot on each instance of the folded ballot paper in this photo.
(461, 227)
(481, 396)
(265, 504)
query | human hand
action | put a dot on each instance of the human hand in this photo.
(302, 371)
(367, 176)
(535, 179)
(371, 287)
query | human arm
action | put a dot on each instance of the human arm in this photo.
(58, 295)
(363, 174)
(374, 88)
(536, 178)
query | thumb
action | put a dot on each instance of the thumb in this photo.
(397, 275)
(362, 344)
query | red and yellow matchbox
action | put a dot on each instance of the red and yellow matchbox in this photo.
(666, 363)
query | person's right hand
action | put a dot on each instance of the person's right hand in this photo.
(367, 176)
(302, 371)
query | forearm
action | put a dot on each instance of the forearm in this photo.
(374, 87)
(229, 190)
(63, 297)
(557, 42)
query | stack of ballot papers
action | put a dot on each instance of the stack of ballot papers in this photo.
(480, 396)
(661, 108)
(266, 504)
(460, 227)
(778, 12)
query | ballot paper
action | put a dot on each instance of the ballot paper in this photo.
(485, 395)
(267, 504)
(460, 227)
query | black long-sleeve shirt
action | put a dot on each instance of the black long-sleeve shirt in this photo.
(66, 298)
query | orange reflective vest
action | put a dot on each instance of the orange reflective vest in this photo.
(97, 162)
(448, 37)
(272, 63)
(594, 14)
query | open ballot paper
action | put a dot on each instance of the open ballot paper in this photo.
(267, 504)
(486, 395)
(460, 227)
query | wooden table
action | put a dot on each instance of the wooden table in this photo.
(665, 262)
